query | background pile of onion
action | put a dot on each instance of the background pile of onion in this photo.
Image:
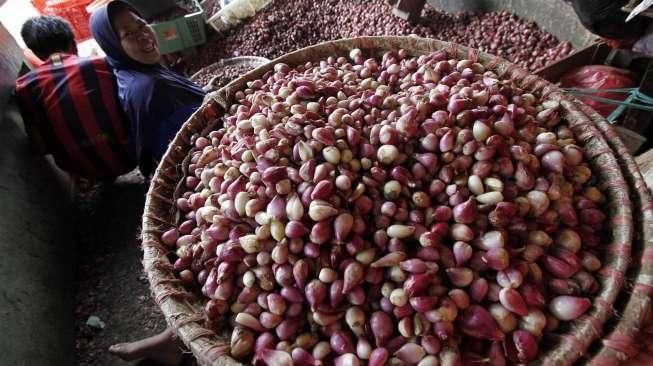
(287, 25)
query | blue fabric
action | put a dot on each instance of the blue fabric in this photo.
(156, 100)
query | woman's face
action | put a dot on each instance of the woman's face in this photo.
(137, 38)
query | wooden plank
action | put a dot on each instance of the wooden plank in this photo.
(594, 53)
(408, 9)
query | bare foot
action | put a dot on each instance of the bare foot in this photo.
(162, 348)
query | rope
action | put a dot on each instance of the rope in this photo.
(635, 99)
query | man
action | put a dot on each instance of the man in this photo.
(70, 105)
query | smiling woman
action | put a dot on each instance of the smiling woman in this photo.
(157, 100)
(136, 37)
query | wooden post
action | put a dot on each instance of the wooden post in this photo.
(407, 9)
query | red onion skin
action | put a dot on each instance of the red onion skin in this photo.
(422, 304)
(287, 328)
(532, 295)
(410, 353)
(569, 307)
(444, 330)
(431, 344)
(496, 354)
(273, 357)
(353, 275)
(465, 213)
(341, 342)
(302, 357)
(348, 359)
(394, 344)
(521, 347)
(300, 273)
(336, 295)
(416, 283)
(477, 322)
(316, 292)
(170, 237)
(381, 326)
(479, 289)
(264, 340)
(379, 357)
(513, 301)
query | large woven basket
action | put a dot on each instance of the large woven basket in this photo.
(579, 341)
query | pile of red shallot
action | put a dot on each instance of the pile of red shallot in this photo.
(286, 25)
(216, 76)
(393, 210)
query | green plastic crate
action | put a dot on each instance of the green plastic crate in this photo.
(181, 33)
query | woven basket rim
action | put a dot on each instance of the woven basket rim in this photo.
(180, 309)
(620, 344)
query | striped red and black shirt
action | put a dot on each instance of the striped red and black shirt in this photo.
(71, 110)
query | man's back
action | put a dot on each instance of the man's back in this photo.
(71, 110)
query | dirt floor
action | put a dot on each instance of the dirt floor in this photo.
(110, 280)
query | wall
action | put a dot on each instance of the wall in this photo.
(37, 266)
(10, 59)
(554, 16)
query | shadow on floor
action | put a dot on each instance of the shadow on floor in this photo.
(110, 280)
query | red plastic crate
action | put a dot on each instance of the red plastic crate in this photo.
(39, 5)
(74, 11)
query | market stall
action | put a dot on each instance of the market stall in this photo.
(399, 182)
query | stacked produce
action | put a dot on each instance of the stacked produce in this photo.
(400, 209)
(285, 26)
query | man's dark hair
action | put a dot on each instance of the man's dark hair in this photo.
(45, 35)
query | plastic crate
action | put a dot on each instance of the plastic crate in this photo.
(39, 5)
(74, 11)
(183, 32)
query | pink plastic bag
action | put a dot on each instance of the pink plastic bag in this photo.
(600, 77)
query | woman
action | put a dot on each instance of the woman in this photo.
(156, 100)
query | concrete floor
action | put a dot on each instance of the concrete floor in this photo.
(110, 280)
(67, 257)
(37, 266)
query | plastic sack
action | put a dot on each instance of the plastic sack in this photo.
(242, 9)
(235, 12)
(600, 77)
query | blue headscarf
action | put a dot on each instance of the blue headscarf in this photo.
(156, 100)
